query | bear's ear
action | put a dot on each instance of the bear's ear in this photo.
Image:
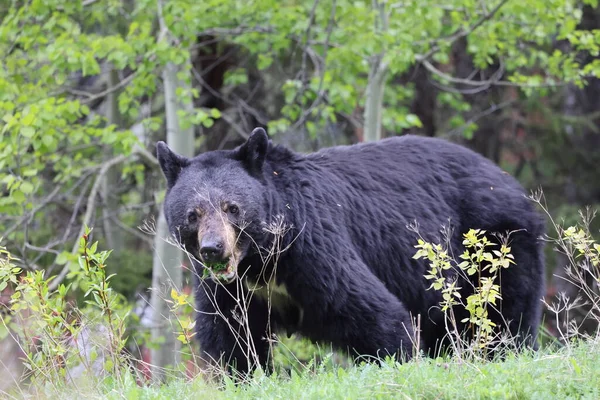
(170, 162)
(252, 153)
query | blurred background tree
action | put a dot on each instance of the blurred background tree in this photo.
(85, 87)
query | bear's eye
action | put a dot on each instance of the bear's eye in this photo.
(233, 209)
(192, 217)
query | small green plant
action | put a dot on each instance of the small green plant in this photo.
(480, 264)
(181, 305)
(9, 273)
(585, 254)
(59, 339)
(577, 309)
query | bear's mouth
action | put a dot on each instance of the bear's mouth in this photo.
(224, 272)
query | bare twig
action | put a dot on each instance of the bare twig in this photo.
(479, 86)
(236, 31)
(490, 110)
(90, 97)
(30, 214)
(146, 155)
(132, 231)
(46, 249)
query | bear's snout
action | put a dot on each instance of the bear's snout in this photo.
(212, 250)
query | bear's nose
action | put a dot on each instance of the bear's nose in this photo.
(211, 251)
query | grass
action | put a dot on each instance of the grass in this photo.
(570, 373)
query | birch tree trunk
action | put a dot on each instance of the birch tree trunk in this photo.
(167, 260)
(112, 232)
(376, 83)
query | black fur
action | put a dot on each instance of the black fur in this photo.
(349, 266)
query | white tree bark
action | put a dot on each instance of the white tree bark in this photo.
(167, 260)
(376, 84)
(112, 232)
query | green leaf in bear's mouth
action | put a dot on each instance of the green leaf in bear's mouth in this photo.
(216, 268)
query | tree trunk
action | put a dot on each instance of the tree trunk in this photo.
(376, 84)
(166, 266)
(110, 184)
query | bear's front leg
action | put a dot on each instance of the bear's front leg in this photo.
(230, 328)
(345, 304)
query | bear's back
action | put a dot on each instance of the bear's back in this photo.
(402, 152)
(371, 192)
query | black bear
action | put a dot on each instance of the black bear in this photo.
(319, 244)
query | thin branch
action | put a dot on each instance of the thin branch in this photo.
(236, 31)
(146, 155)
(482, 85)
(92, 97)
(490, 110)
(218, 63)
(46, 249)
(31, 213)
(132, 231)
(128, 207)
(238, 129)
(71, 223)
(478, 85)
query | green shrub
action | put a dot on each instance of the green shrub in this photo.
(483, 265)
(61, 340)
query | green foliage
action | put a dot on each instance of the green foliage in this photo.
(47, 44)
(46, 134)
(582, 270)
(584, 247)
(9, 273)
(479, 262)
(47, 326)
(514, 35)
(182, 307)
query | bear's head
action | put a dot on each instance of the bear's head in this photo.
(215, 205)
